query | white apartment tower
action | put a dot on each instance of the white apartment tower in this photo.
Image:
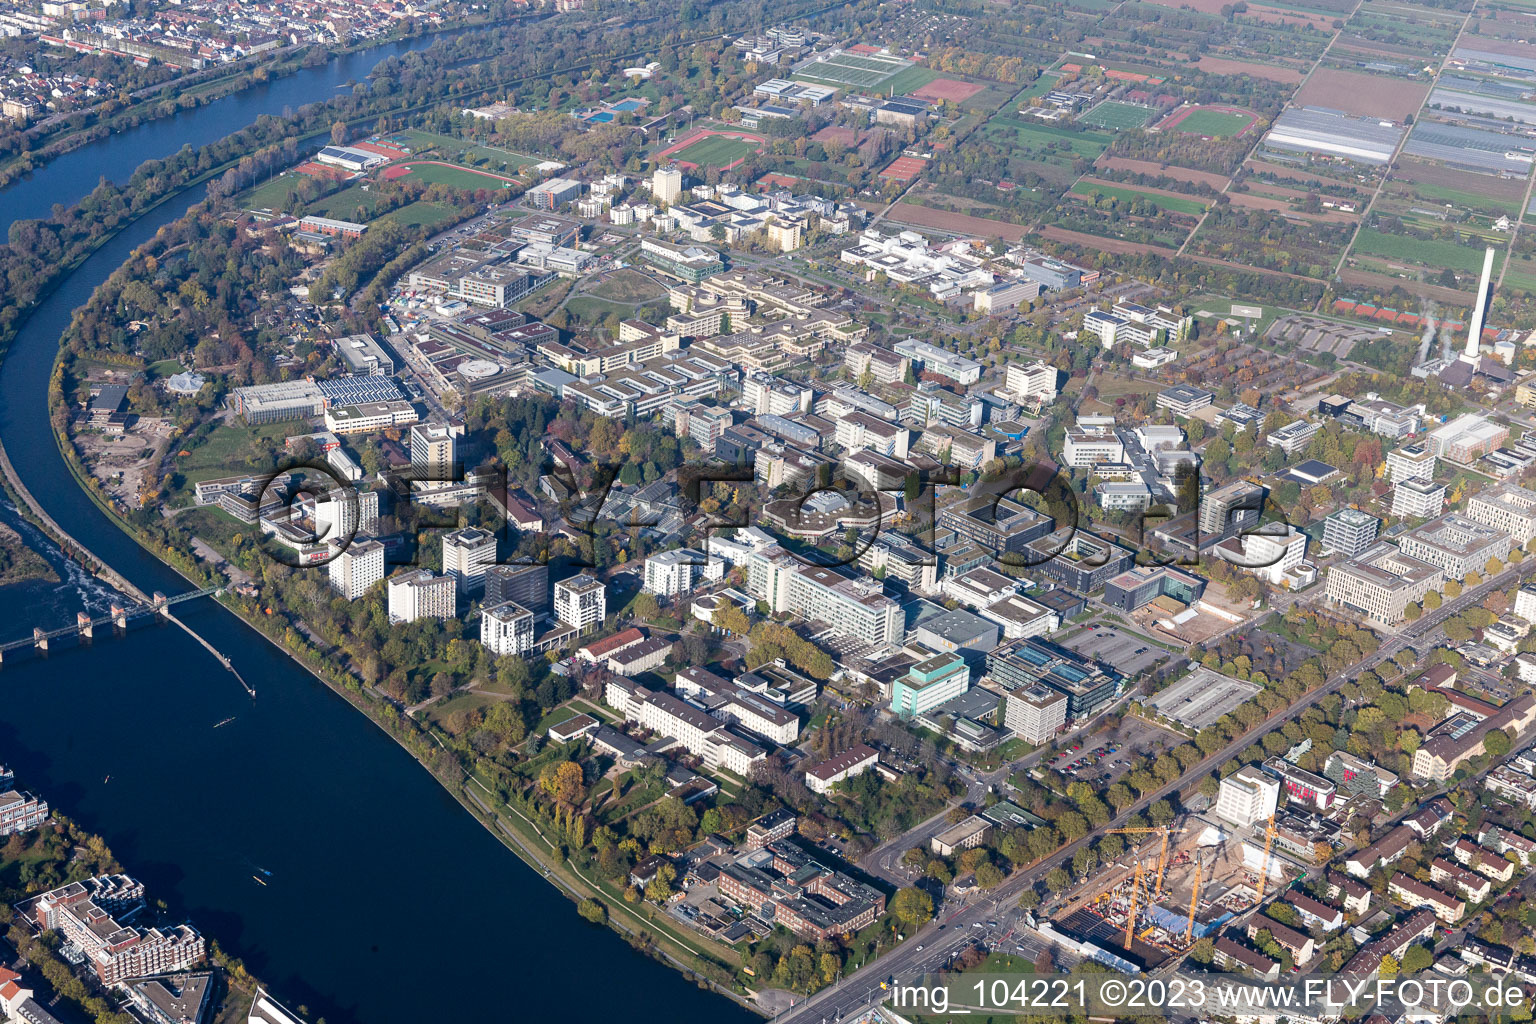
(667, 184)
(417, 594)
(1248, 795)
(435, 453)
(356, 567)
(581, 601)
(1410, 462)
(506, 628)
(467, 553)
(346, 512)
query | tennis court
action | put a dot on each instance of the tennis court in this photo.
(1116, 116)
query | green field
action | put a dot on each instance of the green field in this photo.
(1042, 85)
(419, 214)
(1176, 205)
(853, 69)
(1520, 275)
(493, 158)
(905, 82)
(351, 203)
(1041, 137)
(1412, 250)
(274, 194)
(1116, 116)
(455, 177)
(715, 151)
(1459, 197)
(1213, 122)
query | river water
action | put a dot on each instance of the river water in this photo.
(386, 901)
(69, 178)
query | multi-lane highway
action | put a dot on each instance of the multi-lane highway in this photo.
(938, 938)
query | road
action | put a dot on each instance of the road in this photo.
(862, 988)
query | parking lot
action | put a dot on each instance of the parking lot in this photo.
(1203, 697)
(1104, 757)
(1126, 653)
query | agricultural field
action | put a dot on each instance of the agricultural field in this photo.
(1116, 116)
(1164, 201)
(1047, 142)
(1269, 240)
(1358, 93)
(1430, 254)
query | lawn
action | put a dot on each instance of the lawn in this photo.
(904, 82)
(419, 142)
(627, 286)
(420, 214)
(225, 451)
(1425, 253)
(351, 203)
(1042, 85)
(1213, 122)
(716, 151)
(454, 176)
(275, 194)
(1039, 139)
(589, 308)
(1176, 205)
(1116, 116)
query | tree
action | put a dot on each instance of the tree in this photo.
(1496, 743)
(646, 607)
(912, 907)
(592, 910)
(989, 875)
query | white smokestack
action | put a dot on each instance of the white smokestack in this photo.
(1475, 331)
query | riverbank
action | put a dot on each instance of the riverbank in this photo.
(644, 927)
(19, 563)
(198, 89)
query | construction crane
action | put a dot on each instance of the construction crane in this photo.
(1194, 901)
(1269, 839)
(1162, 857)
(1130, 913)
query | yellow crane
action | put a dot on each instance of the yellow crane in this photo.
(1162, 857)
(1194, 901)
(1130, 913)
(1269, 839)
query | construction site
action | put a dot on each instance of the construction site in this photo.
(1173, 886)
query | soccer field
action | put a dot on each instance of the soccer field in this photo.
(860, 71)
(1213, 123)
(715, 151)
(1116, 116)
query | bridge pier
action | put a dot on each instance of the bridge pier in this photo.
(84, 624)
(119, 616)
(39, 638)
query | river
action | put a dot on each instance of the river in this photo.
(387, 901)
(69, 178)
